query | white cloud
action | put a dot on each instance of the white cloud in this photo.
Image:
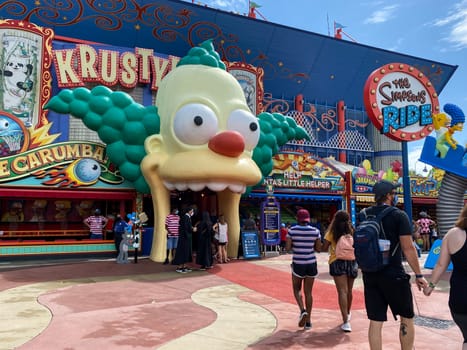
(382, 15)
(457, 23)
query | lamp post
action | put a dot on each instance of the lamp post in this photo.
(424, 170)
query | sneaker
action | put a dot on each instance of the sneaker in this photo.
(307, 325)
(187, 269)
(202, 268)
(349, 316)
(346, 327)
(302, 318)
(180, 270)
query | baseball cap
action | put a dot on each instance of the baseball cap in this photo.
(303, 215)
(384, 187)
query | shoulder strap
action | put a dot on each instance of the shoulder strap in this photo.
(384, 212)
(380, 217)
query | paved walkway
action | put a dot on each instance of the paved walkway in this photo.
(240, 305)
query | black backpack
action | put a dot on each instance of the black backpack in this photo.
(370, 257)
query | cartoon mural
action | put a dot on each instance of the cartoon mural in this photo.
(304, 172)
(200, 134)
(444, 152)
(25, 57)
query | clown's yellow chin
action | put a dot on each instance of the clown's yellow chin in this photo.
(196, 170)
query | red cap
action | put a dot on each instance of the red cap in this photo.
(303, 215)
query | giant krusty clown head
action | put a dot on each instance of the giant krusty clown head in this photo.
(201, 134)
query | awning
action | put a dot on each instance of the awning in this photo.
(65, 194)
(300, 197)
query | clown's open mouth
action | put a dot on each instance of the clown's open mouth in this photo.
(212, 185)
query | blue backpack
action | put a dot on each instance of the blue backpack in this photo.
(367, 236)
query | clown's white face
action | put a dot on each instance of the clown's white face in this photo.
(207, 136)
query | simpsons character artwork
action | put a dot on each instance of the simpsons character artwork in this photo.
(444, 152)
(200, 134)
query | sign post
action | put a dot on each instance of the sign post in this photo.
(270, 223)
(250, 244)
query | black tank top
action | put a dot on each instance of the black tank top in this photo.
(457, 299)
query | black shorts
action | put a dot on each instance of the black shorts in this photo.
(382, 291)
(304, 270)
(461, 321)
(344, 267)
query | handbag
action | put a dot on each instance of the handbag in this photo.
(344, 248)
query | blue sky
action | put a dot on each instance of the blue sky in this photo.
(431, 29)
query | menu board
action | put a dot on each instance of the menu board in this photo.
(250, 244)
(270, 223)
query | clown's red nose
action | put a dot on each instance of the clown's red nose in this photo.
(227, 143)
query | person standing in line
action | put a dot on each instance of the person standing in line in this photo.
(283, 233)
(250, 224)
(96, 224)
(204, 253)
(222, 230)
(344, 272)
(118, 230)
(391, 285)
(454, 248)
(303, 239)
(424, 229)
(172, 223)
(184, 254)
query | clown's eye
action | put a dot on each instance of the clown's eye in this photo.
(246, 124)
(195, 124)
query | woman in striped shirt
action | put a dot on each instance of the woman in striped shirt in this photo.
(303, 239)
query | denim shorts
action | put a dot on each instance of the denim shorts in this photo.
(172, 242)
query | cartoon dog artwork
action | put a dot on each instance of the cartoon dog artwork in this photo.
(18, 84)
(200, 134)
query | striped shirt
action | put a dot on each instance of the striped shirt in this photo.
(303, 243)
(95, 224)
(172, 223)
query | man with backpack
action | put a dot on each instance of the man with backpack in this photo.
(388, 284)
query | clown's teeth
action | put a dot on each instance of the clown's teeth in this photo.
(169, 186)
(198, 186)
(237, 188)
(181, 186)
(217, 186)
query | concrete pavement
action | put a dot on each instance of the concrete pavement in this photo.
(245, 304)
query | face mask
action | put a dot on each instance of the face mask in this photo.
(176, 212)
(395, 200)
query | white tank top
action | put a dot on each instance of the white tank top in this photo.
(222, 232)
